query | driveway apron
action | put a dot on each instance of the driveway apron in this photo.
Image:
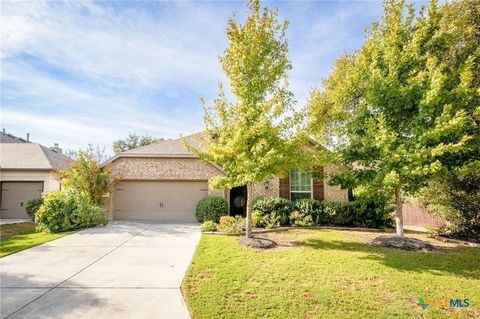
(123, 270)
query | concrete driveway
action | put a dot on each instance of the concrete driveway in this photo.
(123, 270)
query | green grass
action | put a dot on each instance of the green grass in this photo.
(328, 274)
(17, 237)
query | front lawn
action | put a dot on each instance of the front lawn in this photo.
(328, 274)
(16, 237)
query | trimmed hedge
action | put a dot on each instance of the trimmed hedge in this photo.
(67, 210)
(211, 208)
(275, 210)
(363, 212)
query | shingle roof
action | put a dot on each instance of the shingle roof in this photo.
(25, 156)
(9, 138)
(167, 147)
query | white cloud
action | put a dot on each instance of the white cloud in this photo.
(82, 72)
(129, 46)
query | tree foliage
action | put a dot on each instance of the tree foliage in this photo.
(456, 199)
(252, 137)
(405, 107)
(88, 178)
(96, 152)
(133, 141)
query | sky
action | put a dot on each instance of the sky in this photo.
(79, 73)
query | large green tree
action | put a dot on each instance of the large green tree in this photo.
(404, 107)
(253, 137)
(133, 141)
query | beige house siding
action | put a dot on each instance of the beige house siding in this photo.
(49, 178)
(333, 192)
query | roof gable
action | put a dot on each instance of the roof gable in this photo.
(31, 156)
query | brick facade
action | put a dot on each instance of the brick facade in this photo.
(166, 168)
(333, 192)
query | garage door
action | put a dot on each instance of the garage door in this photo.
(15, 195)
(161, 201)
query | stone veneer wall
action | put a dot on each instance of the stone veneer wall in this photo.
(333, 192)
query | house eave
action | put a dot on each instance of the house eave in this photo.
(146, 155)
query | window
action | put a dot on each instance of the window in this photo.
(300, 184)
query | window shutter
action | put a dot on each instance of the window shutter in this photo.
(285, 187)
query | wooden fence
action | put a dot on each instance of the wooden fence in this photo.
(418, 215)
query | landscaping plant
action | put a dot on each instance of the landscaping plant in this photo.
(88, 178)
(208, 226)
(67, 210)
(211, 208)
(275, 210)
(32, 206)
(456, 199)
(231, 225)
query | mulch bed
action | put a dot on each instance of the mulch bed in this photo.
(257, 242)
(406, 243)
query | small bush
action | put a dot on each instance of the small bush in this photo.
(208, 226)
(32, 206)
(337, 213)
(67, 210)
(300, 219)
(257, 220)
(273, 220)
(231, 225)
(274, 209)
(211, 208)
(309, 207)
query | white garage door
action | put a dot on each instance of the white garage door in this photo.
(158, 200)
(15, 195)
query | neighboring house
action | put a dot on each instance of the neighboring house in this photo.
(163, 181)
(27, 170)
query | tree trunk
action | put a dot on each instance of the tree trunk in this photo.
(248, 226)
(398, 212)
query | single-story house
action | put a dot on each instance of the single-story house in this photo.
(164, 182)
(27, 170)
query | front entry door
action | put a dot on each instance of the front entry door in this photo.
(238, 201)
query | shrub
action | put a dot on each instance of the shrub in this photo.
(257, 219)
(32, 206)
(456, 199)
(86, 176)
(300, 219)
(208, 226)
(277, 209)
(211, 208)
(363, 212)
(272, 220)
(67, 210)
(336, 214)
(369, 212)
(309, 207)
(231, 225)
